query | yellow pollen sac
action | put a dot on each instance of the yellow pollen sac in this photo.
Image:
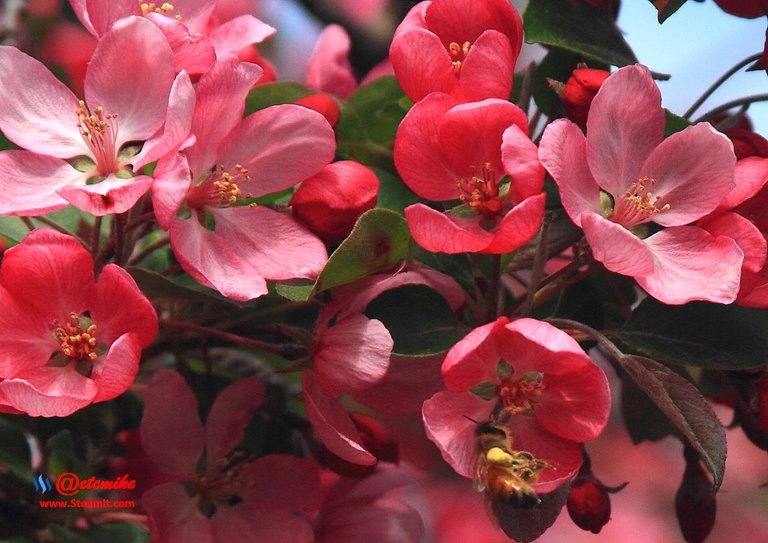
(75, 342)
(481, 193)
(458, 52)
(150, 7)
(519, 397)
(639, 204)
(226, 185)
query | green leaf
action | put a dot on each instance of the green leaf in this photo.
(666, 8)
(419, 319)
(295, 292)
(379, 240)
(368, 122)
(63, 535)
(156, 286)
(699, 334)
(393, 193)
(579, 28)
(674, 123)
(64, 458)
(685, 407)
(15, 455)
(117, 533)
(271, 94)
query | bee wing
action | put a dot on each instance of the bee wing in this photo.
(480, 480)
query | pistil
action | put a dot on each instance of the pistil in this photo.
(481, 193)
(99, 132)
(638, 204)
(519, 396)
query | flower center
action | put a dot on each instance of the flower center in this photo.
(99, 132)
(77, 343)
(458, 53)
(519, 396)
(220, 189)
(223, 482)
(481, 193)
(166, 8)
(638, 204)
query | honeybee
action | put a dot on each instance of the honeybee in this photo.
(502, 472)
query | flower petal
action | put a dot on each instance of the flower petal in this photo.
(102, 15)
(441, 233)
(48, 391)
(520, 157)
(563, 152)
(693, 170)
(233, 35)
(474, 359)
(616, 247)
(332, 424)
(518, 226)
(488, 69)
(171, 432)
(112, 195)
(746, 235)
(470, 135)
(133, 50)
(38, 112)
(177, 127)
(690, 264)
(280, 146)
(749, 176)
(352, 355)
(219, 108)
(192, 53)
(174, 516)
(231, 412)
(329, 68)
(451, 421)
(625, 124)
(418, 153)
(51, 272)
(421, 64)
(116, 370)
(29, 182)
(169, 188)
(244, 524)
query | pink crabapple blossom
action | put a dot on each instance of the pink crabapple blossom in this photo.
(542, 386)
(195, 31)
(624, 175)
(353, 355)
(76, 339)
(41, 115)
(198, 193)
(445, 151)
(464, 48)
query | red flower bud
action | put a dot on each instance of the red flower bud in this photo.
(747, 143)
(695, 501)
(324, 105)
(330, 202)
(748, 9)
(579, 91)
(589, 505)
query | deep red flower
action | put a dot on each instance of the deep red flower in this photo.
(71, 339)
(465, 48)
(579, 91)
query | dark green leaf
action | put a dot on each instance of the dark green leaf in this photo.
(579, 28)
(14, 451)
(64, 458)
(379, 240)
(685, 407)
(667, 7)
(369, 121)
(117, 533)
(271, 94)
(63, 535)
(294, 292)
(699, 334)
(156, 286)
(674, 123)
(558, 65)
(393, 193)
(643, 420)
(419, 319)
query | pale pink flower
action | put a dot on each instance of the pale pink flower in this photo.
(76, 339)
(624, 175)
(447, 151)
(540, 385)
(197, 33)
(231, 161)
(76, 151)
